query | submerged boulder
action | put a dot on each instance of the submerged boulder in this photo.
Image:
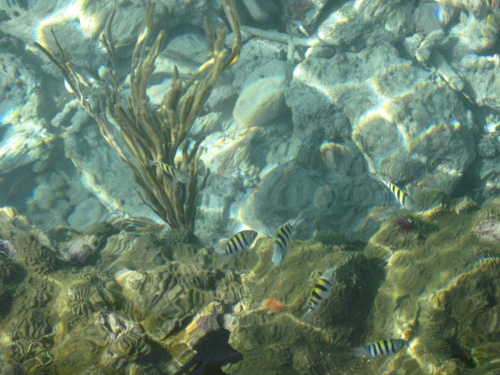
(407, 125)
(263, 96)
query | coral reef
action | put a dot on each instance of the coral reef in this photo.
(487, 227)
(416, 115)
(147, 294)
(405, 89)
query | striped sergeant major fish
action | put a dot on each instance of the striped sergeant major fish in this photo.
(320, 292)
(403, 198)
(239, 242)
(380, 348)
(285, 233)
(176, 173)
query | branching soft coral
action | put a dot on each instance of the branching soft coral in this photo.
(157, 135)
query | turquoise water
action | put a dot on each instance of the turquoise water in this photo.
(249, 187)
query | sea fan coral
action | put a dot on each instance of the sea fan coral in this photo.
(274, 305)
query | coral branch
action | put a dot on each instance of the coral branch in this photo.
(157, 135)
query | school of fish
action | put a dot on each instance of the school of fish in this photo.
(245, 239)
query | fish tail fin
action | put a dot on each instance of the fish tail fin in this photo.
(222, 259)
(410, 204)
(219, 248)
(376, 177)
(307, 315)
(299, 219)
(151, 162)
(360, 351)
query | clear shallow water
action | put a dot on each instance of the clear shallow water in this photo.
(407, 92)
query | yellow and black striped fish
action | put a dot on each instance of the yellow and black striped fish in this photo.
(380, 348)
(176, 173)
(403, 198)
(285, 233)
(320, 292)
(239, 242)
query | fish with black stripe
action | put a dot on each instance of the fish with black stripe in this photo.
(176, 173)
(380, 348)
(320, 292)
(239, 242)
(285, 233)
(402, 197)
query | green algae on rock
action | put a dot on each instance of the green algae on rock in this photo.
(435, 293)
(148, 292)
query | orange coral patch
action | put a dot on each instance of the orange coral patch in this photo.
(274, 305)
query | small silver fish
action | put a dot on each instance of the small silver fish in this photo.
(403, 198)
(380, 348)
(285, 233)
(176, 173)
(239, 242)
(7, 249)
(320, 292)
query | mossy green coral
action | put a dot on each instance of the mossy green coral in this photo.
(149, 292)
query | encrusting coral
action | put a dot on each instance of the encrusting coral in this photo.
(146, 294)
(157, 135)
